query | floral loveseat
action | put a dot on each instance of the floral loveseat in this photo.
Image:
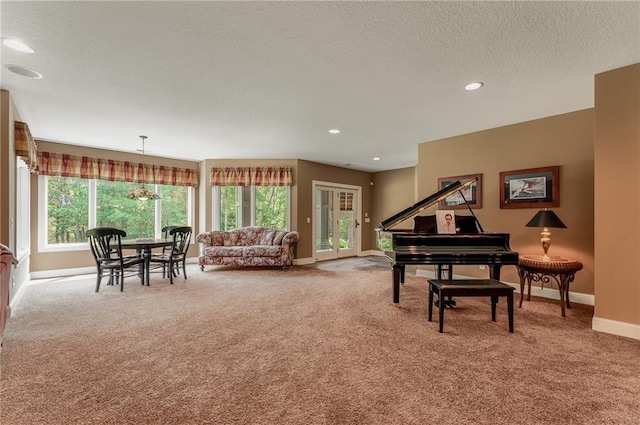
(247, 246)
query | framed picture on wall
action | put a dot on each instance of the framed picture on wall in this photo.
(472, 193)
(530, 188)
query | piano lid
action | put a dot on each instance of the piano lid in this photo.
(407, 213)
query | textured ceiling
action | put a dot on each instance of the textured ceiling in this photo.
(269, 79)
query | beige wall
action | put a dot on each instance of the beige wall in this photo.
(393, 191)
(617, 195)
(568, 138)
(8, 116)
(308, 172)
(41, 261)
(565, 140)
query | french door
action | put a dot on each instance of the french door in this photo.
(336, 220)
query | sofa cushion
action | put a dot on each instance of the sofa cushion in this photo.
(230, 238)
(277, 239)
(224, 251)
(267, 237)
(263, 251)
(217, 238)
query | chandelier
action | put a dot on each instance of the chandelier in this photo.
(142, 193)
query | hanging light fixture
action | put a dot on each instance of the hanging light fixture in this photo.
(142, 193)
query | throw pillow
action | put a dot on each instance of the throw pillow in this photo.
(267, 237)
(277, 239)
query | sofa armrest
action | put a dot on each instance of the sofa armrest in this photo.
(290, 238)
(205, 238)
(212, 238)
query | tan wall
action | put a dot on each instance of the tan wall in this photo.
(617, 194)
(7, 169)
(308, 172)
(41, 261)
(565, 140)
(393, 191)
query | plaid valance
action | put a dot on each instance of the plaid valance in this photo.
(25, 145)
(251, 176)
(56, 164)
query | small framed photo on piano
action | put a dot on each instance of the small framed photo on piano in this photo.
(472, 193)
(530, 188)
(446, 221)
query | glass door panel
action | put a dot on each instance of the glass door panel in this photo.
(336, 222)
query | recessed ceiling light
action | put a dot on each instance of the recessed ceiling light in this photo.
(376, 159)
(17, 45)
(25, 72)
(474, 86)
(334, 131)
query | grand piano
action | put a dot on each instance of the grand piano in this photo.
(423, 246)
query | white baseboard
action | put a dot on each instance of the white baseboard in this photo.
(303, 261)
(47, 274)
(614, 327)
(16, 298)
(312, 260)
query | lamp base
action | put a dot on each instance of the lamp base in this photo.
(545, 240)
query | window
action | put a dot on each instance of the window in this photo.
(240, 206)
(67, 210)
(113, 209)
(74, 205)
(23, 216)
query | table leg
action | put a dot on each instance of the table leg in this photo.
(441, 311)
(430, 301)
(521, 273)
(567, 280)
(140, 252)
(510, 310)
(147, 262)
(562, 289)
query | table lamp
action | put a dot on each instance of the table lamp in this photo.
(545, 219)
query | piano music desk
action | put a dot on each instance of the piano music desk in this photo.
(470, 288)
(535, 268)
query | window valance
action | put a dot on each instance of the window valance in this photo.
(56, 164)
(251, 176)
(25, 145)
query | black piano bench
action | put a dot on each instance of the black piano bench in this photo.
(470, 288)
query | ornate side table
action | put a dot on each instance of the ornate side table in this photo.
(535, 268)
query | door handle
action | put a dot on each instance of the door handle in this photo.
(357, 224)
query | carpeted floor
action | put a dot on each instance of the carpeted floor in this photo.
(312, 345)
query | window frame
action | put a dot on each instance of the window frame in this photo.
(43, 215)
(216, 203)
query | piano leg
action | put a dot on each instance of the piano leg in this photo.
(448, 270)
(494, 272)
(397, 274)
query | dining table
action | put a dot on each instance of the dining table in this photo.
(143, 246)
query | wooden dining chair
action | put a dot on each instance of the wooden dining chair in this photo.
(176, 257)
(165, 234)
(106, 248)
